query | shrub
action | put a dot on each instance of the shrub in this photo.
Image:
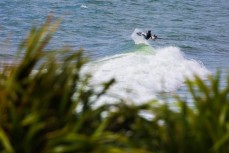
(37, 104)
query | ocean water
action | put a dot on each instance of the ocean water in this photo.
(195, 39)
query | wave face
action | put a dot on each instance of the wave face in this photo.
(144, 72)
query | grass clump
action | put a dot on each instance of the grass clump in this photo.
(46, 107)
(37, 104)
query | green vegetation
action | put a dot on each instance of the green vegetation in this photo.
(50, 110)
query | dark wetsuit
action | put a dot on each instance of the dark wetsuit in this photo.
(148, 35)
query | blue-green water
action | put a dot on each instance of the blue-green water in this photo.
(195, 38)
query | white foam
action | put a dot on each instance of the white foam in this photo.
(141, 76)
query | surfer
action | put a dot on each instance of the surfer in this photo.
(147, 35)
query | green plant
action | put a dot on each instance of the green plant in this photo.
(37, 104)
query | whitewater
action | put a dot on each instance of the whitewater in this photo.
(144, 71)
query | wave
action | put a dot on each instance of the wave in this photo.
(144, 72)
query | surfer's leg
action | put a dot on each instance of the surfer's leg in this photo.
(144, 35)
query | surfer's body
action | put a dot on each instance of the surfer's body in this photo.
(147, 35)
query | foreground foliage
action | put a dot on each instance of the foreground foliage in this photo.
(50, 110)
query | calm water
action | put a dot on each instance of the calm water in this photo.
(195, 38)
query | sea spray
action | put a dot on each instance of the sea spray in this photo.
(139, 39)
